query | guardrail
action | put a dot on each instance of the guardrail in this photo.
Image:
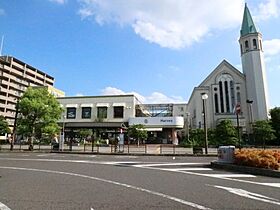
(155, 149)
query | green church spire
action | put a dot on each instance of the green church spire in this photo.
(248, 26)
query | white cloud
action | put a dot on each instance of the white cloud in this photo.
(155, 97)
(271, 47)
(268, 9)
(59, 1)
(168, 23)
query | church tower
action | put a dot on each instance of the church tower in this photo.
(253, 67)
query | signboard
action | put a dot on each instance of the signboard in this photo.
(176, 122)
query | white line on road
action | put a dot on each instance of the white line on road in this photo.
(4, 207)
(189, 169)
(247, 194)
(194, 205)
(231, 175)
(169, 164)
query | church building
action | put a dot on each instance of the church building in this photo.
(228, 93)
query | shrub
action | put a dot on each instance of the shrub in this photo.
(258, 158)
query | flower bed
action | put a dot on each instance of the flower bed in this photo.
(258, 158)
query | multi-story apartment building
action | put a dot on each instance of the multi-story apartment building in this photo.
(15, 77)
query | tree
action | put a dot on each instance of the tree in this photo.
(197, 137)
(137, 132)
(275, 121)
(84, 133)
(4, 126)
(39, 113)
(226, 133)
(263, 131)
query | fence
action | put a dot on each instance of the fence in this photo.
(158, 149)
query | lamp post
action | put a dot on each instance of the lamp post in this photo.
(204, 97)
(187, 126)
(251, 120)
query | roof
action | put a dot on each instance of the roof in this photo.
(248, 26)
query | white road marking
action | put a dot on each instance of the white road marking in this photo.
(4, 207)
(247, 194)
(194, 205)
(169, 164)
(232, 175)
(189, 169)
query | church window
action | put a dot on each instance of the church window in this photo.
(255, 43)
(232, 93)
(238, 97)
(227, 96)
(241, 48)
(261, 44)
(246, 45)
(221, 96)
(215, 89)
(216, 103)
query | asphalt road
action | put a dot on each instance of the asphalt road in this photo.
(68, 181)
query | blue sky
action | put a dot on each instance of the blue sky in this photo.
(159, 50)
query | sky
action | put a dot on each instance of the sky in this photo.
(158, 50)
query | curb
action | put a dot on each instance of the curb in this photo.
(246, 169)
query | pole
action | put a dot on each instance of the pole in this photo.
(15, 127)
(205, 126)
(238, 131)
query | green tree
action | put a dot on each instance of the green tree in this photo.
(197, 137)
(137, 132)
(275, 121)
(39, 113)
(263, 131)
(4, 126)
(226, 133)
(84, 133)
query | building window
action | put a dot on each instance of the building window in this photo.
(71, 113)
(246, 45)
(86, 112)
(216, 103)
(227, 96)
(255, 43)
(241, 48)
(101, 112)
(221, 96)
(238, 97)
(118, 112)
(261, 44)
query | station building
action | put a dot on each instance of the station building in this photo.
(109, 116)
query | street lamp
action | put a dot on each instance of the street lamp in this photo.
(187, 126)
(204, 97)
(251, 120)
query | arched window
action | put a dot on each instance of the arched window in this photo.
(241, 48)
(246, 45)
(261, 44)
(221, 96)
(225, 99)
(255, 43)
(238, 97)
(216, 103)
